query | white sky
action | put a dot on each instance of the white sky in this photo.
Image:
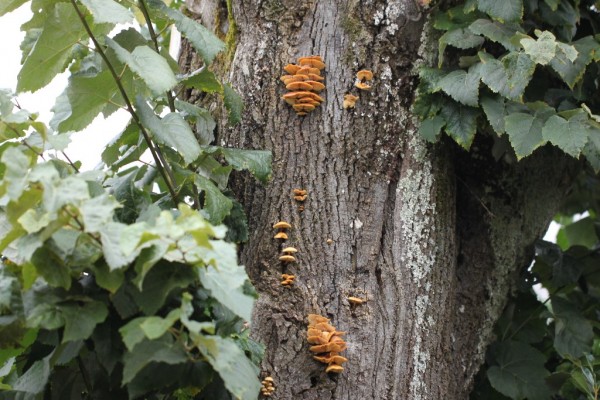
(85, 146)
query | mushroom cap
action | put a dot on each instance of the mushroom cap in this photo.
(282, 225)
(299, 192)
(316, 340)
(355, 300)
(300, 198)
(334, 368)
(329, 347)
(288, 276)
(287, 258)
(313, 62)
(316, 86)
(308, 100)
(289, 250)
(364, 74)
(293, 78)
(331, 359)
(291, 68)
(298, 95)
(301, 113)
(303, 107)
(307, 70)
(298, 86)
(281, 235)
(362, 86)
(324, 326)
(315, 77)
(268, 379)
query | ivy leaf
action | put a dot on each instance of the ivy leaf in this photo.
(62, 30)
(216, 204)
(525, 130)
(495, 111)
(495, 31)
(108, 11)
(569, 135)
(503, 11)
(81, 321)
(508, 77)
(461, 122)
(462, 86)
(172, 131)
(202, 79)
(430, 128)
(233, 103)
(573, 334)
(82, 101)
(204, 41)
(543, 49)
(461, 38)
(148, 65)
(520, 372)
(237, 372)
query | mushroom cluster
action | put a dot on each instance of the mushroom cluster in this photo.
(287, 279)
(300, 196)
(281, 226)
(288, 254)
(268, 387)
(304, 81)
(327, 343)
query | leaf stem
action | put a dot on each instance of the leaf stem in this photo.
(163, 168)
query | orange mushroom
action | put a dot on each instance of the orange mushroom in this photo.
(299, 192)
(316, 86)
(281, 235)
(312, 62)
(362, 86)
(298, 86)
(303, 107)
(315, 77)
(334, 368)
(291, 69)
(350, 101)
(364, 75)
(287, 258)
(282, 225)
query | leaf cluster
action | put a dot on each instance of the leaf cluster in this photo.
(122, 282)
(524, 68)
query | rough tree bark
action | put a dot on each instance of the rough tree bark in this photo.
(432, 236)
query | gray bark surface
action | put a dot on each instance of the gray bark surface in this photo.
(431, 236)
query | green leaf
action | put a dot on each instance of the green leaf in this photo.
(172, 131)
(163, 350)
(572, 70)
(257, 162)
(81, 321)
(204, 41)
(112, 236)
(461, 86)
(237, 372)
(461, 38)
(520, 372)
(14, 178)
(461, 122)
(573, 334)
(151, 328)
(202, 79)
(51, 268)
(226, 280)
(97, 212)
(35, 378)
(62, 30)
(107, 279)
(233, 103)
(216, 204)
(503, 11)
(430, 128)
(569, 135)
(495, 111)
(82, 101)
(525, 130)
(7, 6)
(495, 31)
(508, 77)
(108, 11)
(205, 123)
(148, 65)
(541, 50)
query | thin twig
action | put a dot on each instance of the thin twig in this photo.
(163, 168)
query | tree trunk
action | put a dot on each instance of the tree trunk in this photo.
(432, 236)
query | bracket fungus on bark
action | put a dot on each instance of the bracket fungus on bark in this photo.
(327, 343)
(349, 100)
(355, 300)
(287, 279)
(304, 81)
(268, 387)
(362, 77)
(281, 226)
